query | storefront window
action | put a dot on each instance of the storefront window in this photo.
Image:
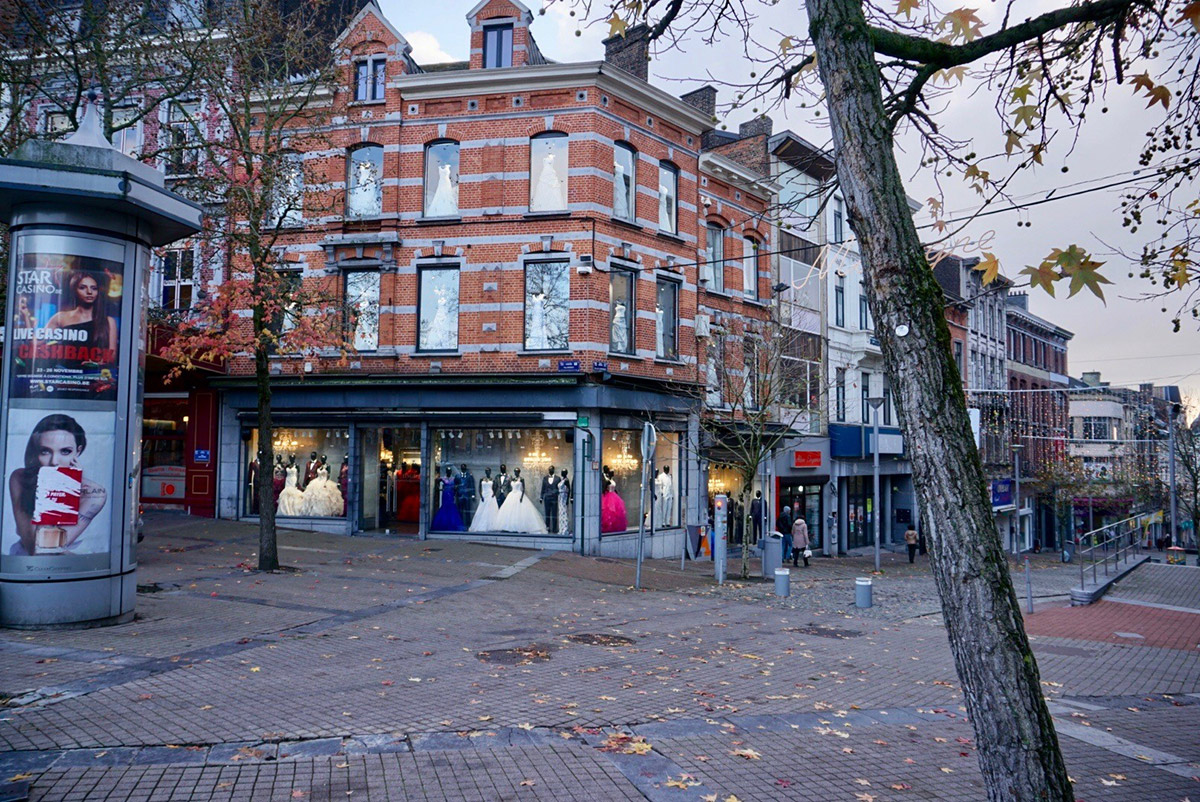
(621, 466)
(500, 480)
(727, 480)
(547, 305)
(439, 309)
(164, 428)
(391, 479)
(805, 501)
(310, 476)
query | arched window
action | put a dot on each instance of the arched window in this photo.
(668, 198)
(749, 268)
(364, 181)
(624, 182)
(548, 172)
(441, 179)
(714, 255)
(287, 204)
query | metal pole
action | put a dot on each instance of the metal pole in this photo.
(1017, 497)
(637, 580)
(1028, 587)
(1174, 502)
(875, 502)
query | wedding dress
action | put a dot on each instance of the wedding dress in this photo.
(365, 197)
(620, 332)
(440, 333)
(548, 194)
(620, 193)
(665, 490)
(447, 518)
(666, 214)
(291, 499)
(519, 513)
(658, 332)
(485, 516)
(322, 499)
(444, 202)
(537, 321)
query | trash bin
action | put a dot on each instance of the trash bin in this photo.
(862, 591)
(772, 555)
(783, 582)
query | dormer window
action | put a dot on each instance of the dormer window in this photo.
(497, 46)
(369, 78)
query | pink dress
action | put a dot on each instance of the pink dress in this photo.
(612, 512)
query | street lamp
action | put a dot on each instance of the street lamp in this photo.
(1016, 449)
(876, 402)
(1172, 412)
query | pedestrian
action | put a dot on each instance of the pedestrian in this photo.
(800, 542)
(783, 526)
(910, 539)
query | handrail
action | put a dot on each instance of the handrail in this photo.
(1124, 537)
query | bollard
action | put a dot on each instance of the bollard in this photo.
(862, 591)
(783, 582)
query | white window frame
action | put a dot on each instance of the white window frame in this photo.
(370, 87)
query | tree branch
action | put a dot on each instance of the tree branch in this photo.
(944, 56)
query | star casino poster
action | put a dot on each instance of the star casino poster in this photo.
(66, 327)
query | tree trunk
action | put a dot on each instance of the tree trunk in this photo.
(268, 553)
(1018, 748)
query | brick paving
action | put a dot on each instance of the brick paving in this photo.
(396, 669)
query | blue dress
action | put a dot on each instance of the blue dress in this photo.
(447, 518)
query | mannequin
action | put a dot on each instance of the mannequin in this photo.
(445, 196)
(278, 474)
(503, 485)
(664, 486)
(536, 336)
(291, 499)
(564, 503)
(620, 192)
(659, 339)
(344, 482)
(322, 499)
(464, 492)
(612, 508)
(485, 514)
(447, 518)
(310, 470)
(549, 496)
(252, 485)
(518, 513)
(548, 194)
(620, 332)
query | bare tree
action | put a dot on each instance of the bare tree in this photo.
(268, 85)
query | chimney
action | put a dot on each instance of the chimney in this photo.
(704, 99)
(630, 52)
(759, 126)
(1019, 300)
(1091, 378)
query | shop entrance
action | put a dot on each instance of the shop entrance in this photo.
(390, 479)
(807, 501)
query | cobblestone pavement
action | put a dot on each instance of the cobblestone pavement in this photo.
(398, 669)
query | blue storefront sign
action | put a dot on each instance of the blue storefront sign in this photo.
(568, 366)
(1002, 492)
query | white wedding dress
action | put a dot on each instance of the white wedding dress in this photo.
(665, 490)
(291, 499)
(548, 194)
(445, 196)
(658, 332)
(322, 499)
(620, 193)
(519, 513)
(440, 334)
(364, 198)
(620, 332)
(537, 321)
(488, 511)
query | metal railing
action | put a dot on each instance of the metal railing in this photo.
(1112, 543)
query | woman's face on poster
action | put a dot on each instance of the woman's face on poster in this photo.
(57, 448)
(87, 291)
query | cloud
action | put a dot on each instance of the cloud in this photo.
(426, 49)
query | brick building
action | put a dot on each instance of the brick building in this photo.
(537, 253)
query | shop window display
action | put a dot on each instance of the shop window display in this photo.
(621, 469)
(310, 475)
(501, 480)
(398, 475)
(164, 430)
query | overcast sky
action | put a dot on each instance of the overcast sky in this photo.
(1128, 340)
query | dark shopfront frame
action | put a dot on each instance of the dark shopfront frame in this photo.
(788, 487)
(676, 428)
(483, 401)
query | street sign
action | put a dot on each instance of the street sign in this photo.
(202, 455)
(649, 440)
(568, 366)
(581, 421)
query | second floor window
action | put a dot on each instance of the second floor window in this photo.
(624, 182)
(864, 311)
(839, 302)
(668, 198)
(666, 320)
(362, 301)
(750, 268)
(183, 136)
(127, 134)
(438, 312)
(370, 77)
(547, 305)
(839, 224)
(178, 279)
(840, 395)
(441, 179)
(364, 181)
(548, 173)
(887, 406)
(714, 258)
(864, 404)
(497, 46)
(623, 312)
(287, 207)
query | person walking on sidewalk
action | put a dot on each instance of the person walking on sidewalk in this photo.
(783, 525)
(800, 541)
(910, 539)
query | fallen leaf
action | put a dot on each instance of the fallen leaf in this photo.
(861, 781)
(297, 794)
(527, 783)
(19, 777)
(900, 786)
(749, 754)
(946, 770)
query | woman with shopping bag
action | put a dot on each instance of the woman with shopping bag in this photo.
(800, 543)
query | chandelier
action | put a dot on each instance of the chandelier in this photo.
(536, 458)
(623, 463)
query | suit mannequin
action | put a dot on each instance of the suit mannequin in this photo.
(310, 470)
(464, 491)
(549, 496)
(564, 501)
(503, 485)
(756, 513)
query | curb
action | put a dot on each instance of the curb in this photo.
(1087, 594)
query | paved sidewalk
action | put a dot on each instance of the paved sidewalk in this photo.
(398, 669)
